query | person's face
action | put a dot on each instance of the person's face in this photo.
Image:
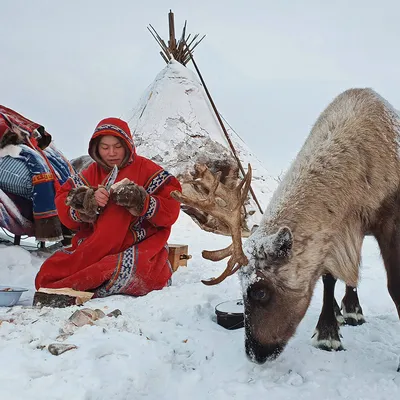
(111, 150)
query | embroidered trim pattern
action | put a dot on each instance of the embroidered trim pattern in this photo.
(114, 128)
(156, 181)
(42, 178)
(153, 208)
(78, 180)
(124, 273)
(138, 231)
(74, 215)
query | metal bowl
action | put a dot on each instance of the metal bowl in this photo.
(230, 314)
(10, 295)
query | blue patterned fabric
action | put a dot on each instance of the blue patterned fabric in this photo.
(15, 177)
(29, 176)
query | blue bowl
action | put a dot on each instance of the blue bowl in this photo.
(10, 296)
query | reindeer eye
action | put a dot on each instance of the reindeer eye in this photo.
(259, 294)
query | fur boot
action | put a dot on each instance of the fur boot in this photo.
(82, 200)
(131, 196)
(48, 229)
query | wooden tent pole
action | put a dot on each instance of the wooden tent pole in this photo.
(172, 40)
(222, 126)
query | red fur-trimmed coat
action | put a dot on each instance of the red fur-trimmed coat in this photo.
(118, 253)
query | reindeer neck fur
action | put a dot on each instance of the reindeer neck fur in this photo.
(330, 197)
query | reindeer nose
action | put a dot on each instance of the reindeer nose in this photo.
(260, 353)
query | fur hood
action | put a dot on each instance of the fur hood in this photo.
(114, 127)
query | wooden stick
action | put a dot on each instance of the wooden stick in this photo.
(172, 40)
(181, 47)
(161, 44)
(196, 44)
(164, 57)
(223, 127)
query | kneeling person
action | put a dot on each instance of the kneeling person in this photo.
(121, 240)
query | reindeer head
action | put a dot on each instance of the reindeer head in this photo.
(275, 300)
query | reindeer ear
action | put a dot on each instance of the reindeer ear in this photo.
(262, 246)
(282, 242)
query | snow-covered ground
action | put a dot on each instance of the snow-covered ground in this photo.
(167, 345)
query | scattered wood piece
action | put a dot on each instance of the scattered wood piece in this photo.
(60, 298)
(85, 316)
(115, 313)
(59, 348)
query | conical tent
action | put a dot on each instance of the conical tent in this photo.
(175, 125)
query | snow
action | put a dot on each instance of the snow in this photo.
(168, 345)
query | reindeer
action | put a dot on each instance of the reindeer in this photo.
(344, 184)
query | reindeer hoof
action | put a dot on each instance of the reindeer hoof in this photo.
(353, 318)
(326, 342)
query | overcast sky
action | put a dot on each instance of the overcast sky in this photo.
(271, 66)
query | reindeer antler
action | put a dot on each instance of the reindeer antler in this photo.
(229, 213)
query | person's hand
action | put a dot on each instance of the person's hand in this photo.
(131, 196)
(102, 196)
(82, 199)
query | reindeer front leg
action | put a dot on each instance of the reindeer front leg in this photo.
(326, 335)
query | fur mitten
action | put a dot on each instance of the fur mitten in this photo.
(82, 200)
(131, 196)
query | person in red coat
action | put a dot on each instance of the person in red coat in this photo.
(123, 249)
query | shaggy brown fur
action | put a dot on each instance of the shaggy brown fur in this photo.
(343, 184)
(82, 200)
(11, 138)
(81, 163)
(48, 229)
(131, 196)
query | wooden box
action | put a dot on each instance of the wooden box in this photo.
(178, 255)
